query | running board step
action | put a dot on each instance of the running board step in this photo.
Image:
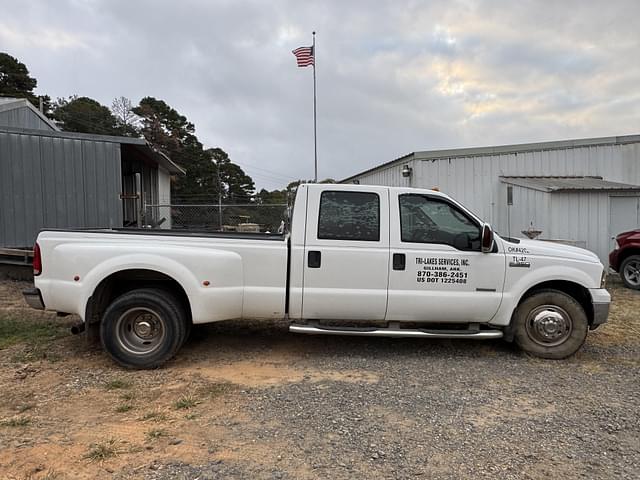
(395, 332)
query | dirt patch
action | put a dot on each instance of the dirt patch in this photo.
(260, 374)
(72, 412)
(521, 407)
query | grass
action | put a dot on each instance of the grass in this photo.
(623, 327)
(185, 402)
(16, 422)
(50, 474)
(118, 384)
(35, 352)
(218, 389)
(191, 416)
(156, 433)
(155, 416)
(124, 407)
(99, 452)
(25, 407)
(128, 396)
(17, 329)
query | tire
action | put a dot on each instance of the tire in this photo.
(630, 272)
(187, 332)
(143, 328)
(550, 324)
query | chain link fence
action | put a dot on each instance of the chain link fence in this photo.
(217, 218)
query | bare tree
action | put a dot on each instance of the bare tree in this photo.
(122, 109)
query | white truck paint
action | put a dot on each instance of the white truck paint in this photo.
(456, 275)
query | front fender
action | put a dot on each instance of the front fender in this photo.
(515, 288)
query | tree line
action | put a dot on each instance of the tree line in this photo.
(210, 172)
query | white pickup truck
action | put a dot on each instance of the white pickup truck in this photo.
(359, 260)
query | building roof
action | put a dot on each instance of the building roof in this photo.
(569, 184)
(501, 150)
(10, 103)
(139, 143)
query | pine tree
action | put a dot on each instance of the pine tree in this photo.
(15, 81)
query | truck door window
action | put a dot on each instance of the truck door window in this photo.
(349, 216)
(430, 220)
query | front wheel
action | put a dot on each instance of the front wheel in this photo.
(630, 272)
(143, 328)
(550, 324)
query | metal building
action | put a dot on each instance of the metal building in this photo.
(581, 192)
(55, 179)
(19, 113)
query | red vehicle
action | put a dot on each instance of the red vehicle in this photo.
(625, 258)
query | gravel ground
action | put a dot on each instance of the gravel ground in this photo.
(443, 411)
(346, 407)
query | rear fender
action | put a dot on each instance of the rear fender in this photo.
(212, 279)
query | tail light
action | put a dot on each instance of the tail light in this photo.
(37, 260)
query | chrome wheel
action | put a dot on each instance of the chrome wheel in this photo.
(548, 325)
(631, 273)
(140, 330)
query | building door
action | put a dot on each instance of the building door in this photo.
(131, 194)
(346, 253)
(624, 215)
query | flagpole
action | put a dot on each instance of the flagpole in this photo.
(315, 132)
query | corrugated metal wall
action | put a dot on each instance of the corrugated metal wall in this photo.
(50, 182)
(530, 208)
(584, 217)
(23, 117)
(391, 176)
(475, 182)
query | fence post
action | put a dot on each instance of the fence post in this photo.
(138, 200)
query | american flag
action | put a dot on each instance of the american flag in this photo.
(304, 56)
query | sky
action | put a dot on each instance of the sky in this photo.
(393, 77)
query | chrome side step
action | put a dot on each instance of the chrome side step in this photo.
(395, 332)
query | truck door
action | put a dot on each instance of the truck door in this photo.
(437, 271)
(346, 253)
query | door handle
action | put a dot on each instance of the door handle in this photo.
(314, 259)
(399, 261)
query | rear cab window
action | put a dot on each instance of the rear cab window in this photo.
(346, 215)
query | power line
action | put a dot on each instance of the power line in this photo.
(267, 171)
(274, 180)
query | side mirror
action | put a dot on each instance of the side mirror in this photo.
(487, 238)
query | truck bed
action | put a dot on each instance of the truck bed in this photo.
(225, 275)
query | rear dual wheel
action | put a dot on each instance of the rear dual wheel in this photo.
(144, 328)
(550, 324)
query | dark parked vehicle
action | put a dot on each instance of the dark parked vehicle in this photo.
(625, 258)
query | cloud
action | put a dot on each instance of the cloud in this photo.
(393, 77)
(46, 38)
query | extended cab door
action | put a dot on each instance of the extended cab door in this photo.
(437, 271)
(346, 268)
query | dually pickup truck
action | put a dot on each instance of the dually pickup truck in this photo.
(358, 260)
